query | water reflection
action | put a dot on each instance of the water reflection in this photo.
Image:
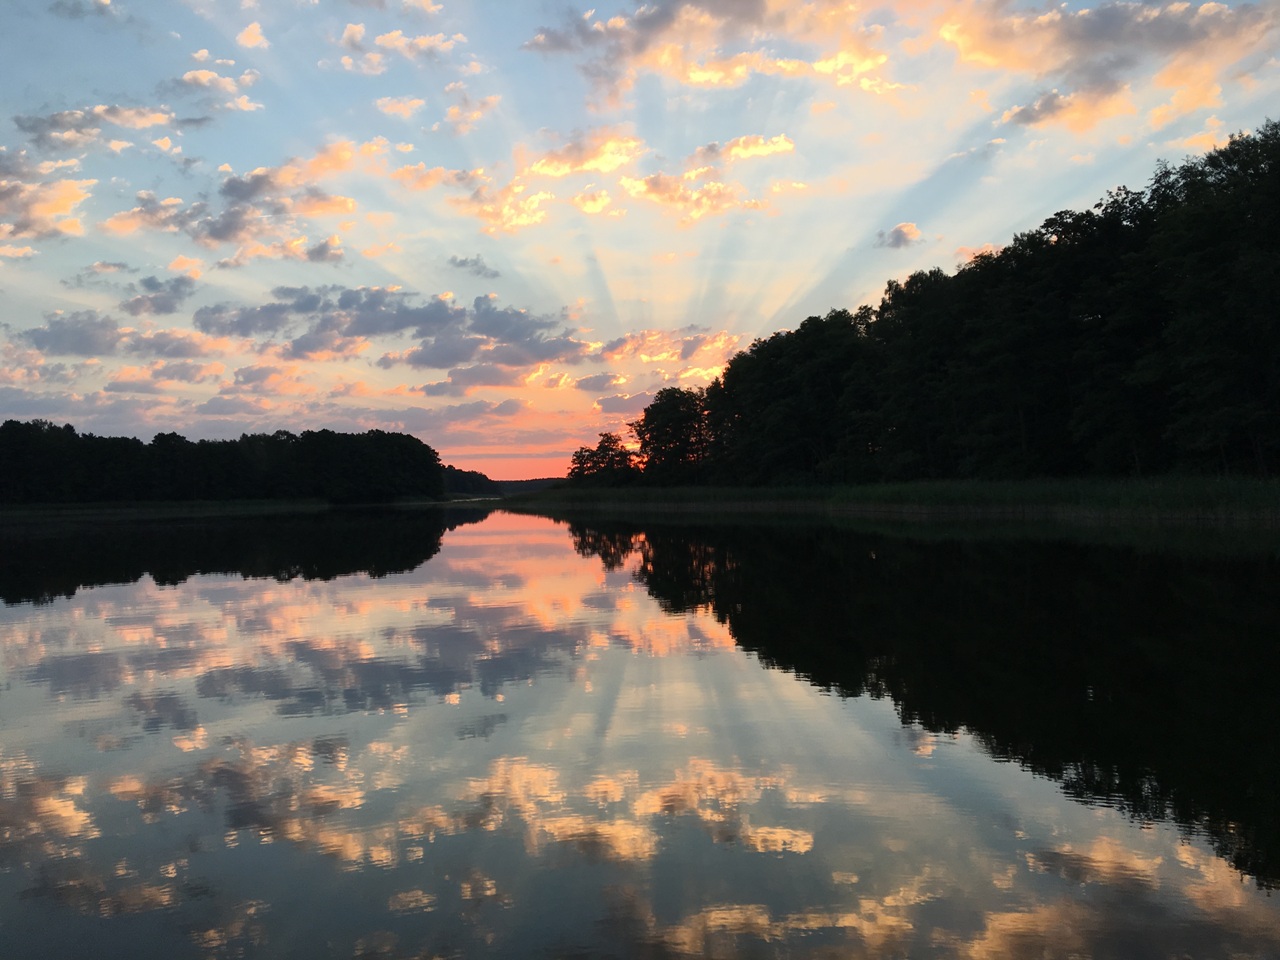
(1135, 678)
(515, 749)
(44, 560)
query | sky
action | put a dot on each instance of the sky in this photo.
(503, 226)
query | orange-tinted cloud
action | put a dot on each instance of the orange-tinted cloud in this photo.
(467, 111)
(596, 201)
(251, 36)
(602, 150)
(38, 210)
(902, 235)
(690, 203)
(703, 44)
(403, 107)
(506, 209)
(420, 47)
(1094, 56)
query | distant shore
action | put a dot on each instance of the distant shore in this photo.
(1166, 501)
(1161, 501)
(54, 514)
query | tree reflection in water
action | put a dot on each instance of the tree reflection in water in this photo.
(1133, 678)
(515, 750)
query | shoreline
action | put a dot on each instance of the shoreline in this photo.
(14, 516)
(1177, 501)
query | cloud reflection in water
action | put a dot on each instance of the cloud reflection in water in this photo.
(512, 749)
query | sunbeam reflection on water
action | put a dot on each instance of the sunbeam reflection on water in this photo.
(515, 749)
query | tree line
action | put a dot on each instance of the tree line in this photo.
(46, 463)
(1139, 337)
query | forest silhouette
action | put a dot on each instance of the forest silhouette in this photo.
(47, 463)
(1137, 338)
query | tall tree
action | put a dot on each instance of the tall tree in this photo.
(674, 436)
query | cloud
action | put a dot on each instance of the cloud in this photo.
(161, 377)
(167, 215)
(596, 201)
(356, 313)
(624, 403)
(403, 107)
(1210, 138)
(466, 112)
(902, 235)
(223, 319)
(1095, 54)
(381, 250)
(684, 346)
(1076, 111)
(96, 273)
(175, 344)
(424, 47)
(744, 148)
(352, 37)
(712, 43)
(462, 380)
(134, 118)
(369, 62)
(66, 129)
(210, 80)
(506, 209)
(965, 254)
(269, 380)
(242, 103)
(251, 36)
(419, 177)
(602, 150)
(215, 84)
(262, 207)
(235, 406)
(80, 9)
(40, 210)
(505, 336)
(328, 250)
(85, 333)
(474, 265)
(12, 252)
(79, 129)
(691, 203)
(157, 296)
(598, 382)
(437, 353)
(191, 266)
(292, 248)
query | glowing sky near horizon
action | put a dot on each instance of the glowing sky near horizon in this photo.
(503, 226)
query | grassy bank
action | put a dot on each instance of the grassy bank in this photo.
(1166, 500)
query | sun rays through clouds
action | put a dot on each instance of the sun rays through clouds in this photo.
(503, 227)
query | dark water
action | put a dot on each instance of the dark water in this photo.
(425, 735)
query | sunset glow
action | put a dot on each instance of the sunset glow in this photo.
(503, 227)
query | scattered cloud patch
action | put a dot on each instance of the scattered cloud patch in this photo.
(155, 296)
(403, 107)
(84, 333)
(474, 265)
(251, 37)
(903, 235)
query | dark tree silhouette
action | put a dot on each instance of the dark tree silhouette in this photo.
(674, 435)
(46, 463)
(1140, 336)
(609, 463)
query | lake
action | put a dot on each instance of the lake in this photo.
(439, 734)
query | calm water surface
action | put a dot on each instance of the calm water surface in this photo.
(514, 737)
